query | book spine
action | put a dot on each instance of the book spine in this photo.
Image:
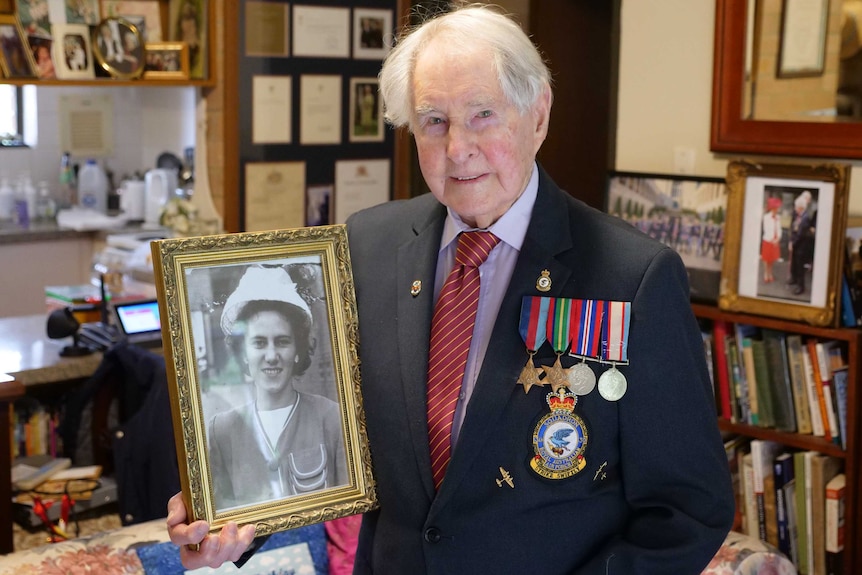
(719, 329)
(783, 473)
(811, 392)
(835, 517)
(839, 381)
(818, 388)
(793, 344)
(750, 381)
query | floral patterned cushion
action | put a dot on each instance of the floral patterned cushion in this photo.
(744, 555)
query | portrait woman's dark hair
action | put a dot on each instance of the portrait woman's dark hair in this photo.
(297, 318)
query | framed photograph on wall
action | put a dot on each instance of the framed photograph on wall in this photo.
(119, 48)
(687, 213)
(366, 111)
(785, 240)
(166, 61)
(16, 59)
(372, 33)
(260, 342)
(73, 54)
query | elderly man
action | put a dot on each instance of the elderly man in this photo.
(529, 465)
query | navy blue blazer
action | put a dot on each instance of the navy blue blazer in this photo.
(655, 495)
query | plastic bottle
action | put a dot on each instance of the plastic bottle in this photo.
(46, 207)
(7, 200)
(28, 192)
(93, 187)
(66, 194)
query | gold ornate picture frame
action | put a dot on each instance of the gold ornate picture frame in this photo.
(166, 61)
(795, 208)
(261, 346)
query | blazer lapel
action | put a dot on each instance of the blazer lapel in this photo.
(417, 261)
(506, 353)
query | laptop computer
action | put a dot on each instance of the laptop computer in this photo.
(139, 322)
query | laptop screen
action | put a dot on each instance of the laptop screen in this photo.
(140, 317)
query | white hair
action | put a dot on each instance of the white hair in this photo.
(520, 68)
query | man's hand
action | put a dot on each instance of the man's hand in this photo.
(227, 545)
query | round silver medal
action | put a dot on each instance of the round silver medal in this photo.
(581, 378)
(612, 384)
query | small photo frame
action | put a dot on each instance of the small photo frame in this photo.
(73, 56)
(372, 33)
(119, 48)
(43, 56)
(684, 212)
(785, 240)
(82, 12)
(366, 111)
(16, 59)
(188, 23)
(166, 61)
(260, 341)
(145, 14)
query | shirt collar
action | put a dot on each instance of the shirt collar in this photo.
(511, 228)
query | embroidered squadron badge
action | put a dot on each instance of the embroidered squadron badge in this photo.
(560, 438)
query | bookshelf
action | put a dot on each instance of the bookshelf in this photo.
(851, 339)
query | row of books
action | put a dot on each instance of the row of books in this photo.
(34, 432)
(786, 381)
(793, 500)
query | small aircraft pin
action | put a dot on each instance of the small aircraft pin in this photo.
(507, 478)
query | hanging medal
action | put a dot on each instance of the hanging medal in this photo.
(615, 335)
(559, 335)
(534, 311)
(586, 320)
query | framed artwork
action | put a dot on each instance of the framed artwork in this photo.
(82, 12)
(188, 23)
(785, 240)
(372, 33)
(16, 59)
(73, 58)
(119, 48)
(687, 213)
(802, 47)
(260, 342)
(366, 111)
(166, 60)
(144, 14)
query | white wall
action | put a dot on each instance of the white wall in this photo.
(665, 90)
(147, 122)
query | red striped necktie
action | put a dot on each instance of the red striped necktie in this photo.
(451, 333)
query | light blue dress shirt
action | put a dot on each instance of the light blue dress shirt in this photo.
(495, 274)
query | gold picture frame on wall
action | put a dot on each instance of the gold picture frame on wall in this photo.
(261, 348)
(784, 240)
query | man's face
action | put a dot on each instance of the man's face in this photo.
(475, 150)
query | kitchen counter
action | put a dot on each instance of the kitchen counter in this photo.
(31, 358)
(11, 232)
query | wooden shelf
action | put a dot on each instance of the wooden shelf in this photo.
(110, 83)
(852, 339)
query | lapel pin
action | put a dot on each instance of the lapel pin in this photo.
(416, 288)
(543, 284)
(506, 478)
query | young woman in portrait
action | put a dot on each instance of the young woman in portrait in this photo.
(283, 442)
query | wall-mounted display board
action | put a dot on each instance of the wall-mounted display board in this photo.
(307, 103)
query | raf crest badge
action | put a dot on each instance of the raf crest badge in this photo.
(560, 438)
